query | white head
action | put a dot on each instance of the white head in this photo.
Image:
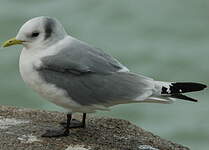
(39, 31)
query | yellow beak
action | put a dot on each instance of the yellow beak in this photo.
(11, 42)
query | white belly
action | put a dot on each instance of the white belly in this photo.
(32, 78)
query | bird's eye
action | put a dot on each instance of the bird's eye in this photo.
(34, 34)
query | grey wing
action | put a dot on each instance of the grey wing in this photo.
(93, 89)
(86, 58)
(92, 77)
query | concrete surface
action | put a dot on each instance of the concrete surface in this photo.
(21, 129)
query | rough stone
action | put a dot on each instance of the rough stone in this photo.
(22, 128)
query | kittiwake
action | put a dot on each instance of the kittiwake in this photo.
(81, 78)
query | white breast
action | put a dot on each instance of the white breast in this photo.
(29, 60)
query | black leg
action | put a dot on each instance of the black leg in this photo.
(75, 123)
(84, 120)
(69, 117)
(61, 131)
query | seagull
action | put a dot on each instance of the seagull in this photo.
(81, 78)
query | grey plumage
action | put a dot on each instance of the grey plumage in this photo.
(48, 27)
(89, 76)
(81, 56)
(89, 89)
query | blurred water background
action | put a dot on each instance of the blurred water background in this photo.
(164, 39)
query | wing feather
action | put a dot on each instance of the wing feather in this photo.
(91, 77)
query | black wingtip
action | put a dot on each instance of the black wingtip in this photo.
(200, 85)
(204, 86)
(187, 87)
(184, 97)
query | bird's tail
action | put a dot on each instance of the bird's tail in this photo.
(176, 89)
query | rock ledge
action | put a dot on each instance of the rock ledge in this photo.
(21, 129)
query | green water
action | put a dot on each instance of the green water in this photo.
(163, 39)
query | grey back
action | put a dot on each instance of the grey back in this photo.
(89, 76)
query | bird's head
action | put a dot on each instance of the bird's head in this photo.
(37, 32)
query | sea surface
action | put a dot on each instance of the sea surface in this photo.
(163, 39)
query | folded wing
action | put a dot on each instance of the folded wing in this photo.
(91, 77)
